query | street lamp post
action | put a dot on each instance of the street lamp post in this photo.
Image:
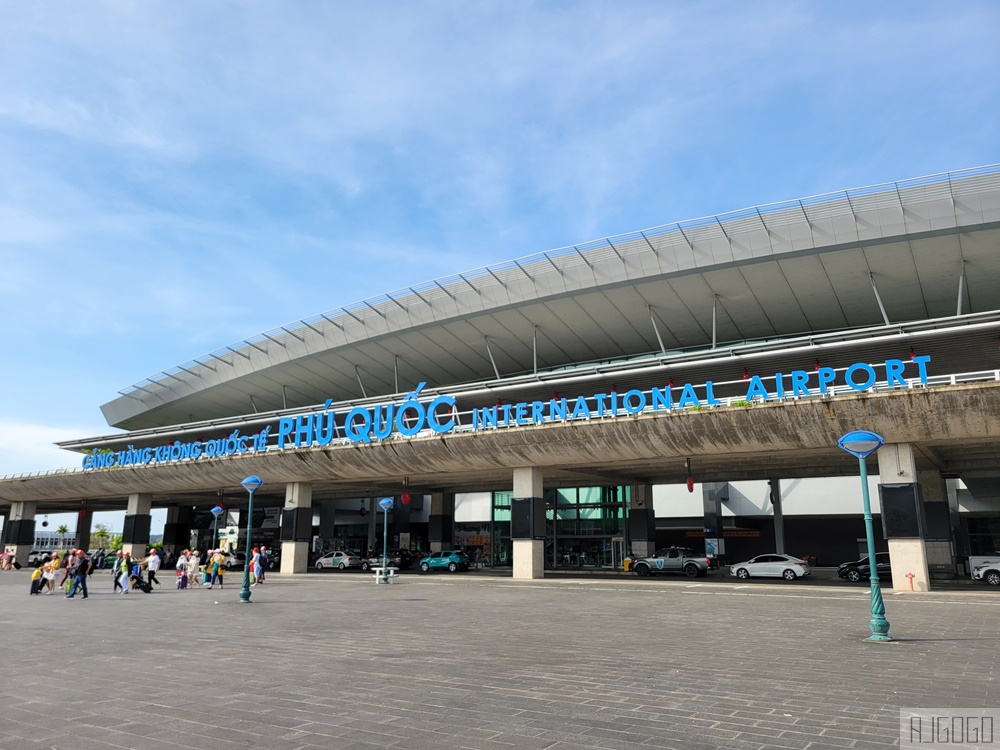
(862, 443)
(251, 484)
(386, 505)
(217, 511)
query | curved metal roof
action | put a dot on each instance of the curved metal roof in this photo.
(913, 250)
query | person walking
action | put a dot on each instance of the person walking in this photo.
(217, 568)
(68, 563)
(153, 565)
(181, 567)
(81, 570)
(255, 566)
(194, 569)
(49, 570)
(125, 568)
(265, 560)
(116, 571)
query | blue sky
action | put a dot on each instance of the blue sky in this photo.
(180, 176)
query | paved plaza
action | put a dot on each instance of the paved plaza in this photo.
(444, 662)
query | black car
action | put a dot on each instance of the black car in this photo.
(398, 558)
(859, 570)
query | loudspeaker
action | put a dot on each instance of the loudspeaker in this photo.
(20, 532)
(296, 524)
(902, 511)
(136, 529)
(527, 518)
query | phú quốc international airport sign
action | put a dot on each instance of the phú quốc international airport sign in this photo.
(413, 415)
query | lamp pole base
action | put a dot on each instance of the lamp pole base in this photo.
(878, 624)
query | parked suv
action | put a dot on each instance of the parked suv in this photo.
(672, 560)
(398, 558)
(988, 572)
(448, 559)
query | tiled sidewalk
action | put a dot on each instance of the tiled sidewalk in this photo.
(463, 661)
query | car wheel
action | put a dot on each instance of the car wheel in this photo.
(743, 573)
(319, 566)
(452, 567)
(365, 565)
(789, 575)
(342, 566)
(854, 575)
(642, 570)
(992, 577)
(424, 567)
(691, 571)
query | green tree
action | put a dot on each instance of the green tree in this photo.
(62, 531)
(102, 535)
(116, 542)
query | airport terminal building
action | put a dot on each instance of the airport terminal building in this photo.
(684, 385)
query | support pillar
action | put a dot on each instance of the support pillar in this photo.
(327, 510)
(529, 540)
(84, 522)
(177, 529)
(401, 522)
(713, 495)
(779, 518)
(441, 521)
(939, 538)
(642, 521)
(19, 531)
(896, 465)
(296, 527)
(135, 533)
(372, 523)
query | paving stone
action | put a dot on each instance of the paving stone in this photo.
(478, 662)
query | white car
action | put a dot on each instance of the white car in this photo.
(772, 566)
(339, 559)
(988, 572)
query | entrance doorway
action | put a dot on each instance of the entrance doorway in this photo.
(586, 528)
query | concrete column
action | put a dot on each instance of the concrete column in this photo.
(177, 529)
(295, 550)
(529, 554)
(372, 522)
(939, 538)
(327, 519)
(896, 465)
(19, 531)
(84, 522)
(779, 518)
(713, 494)
(441, 521)
(135, 534)
(400, 523)
(642, 521)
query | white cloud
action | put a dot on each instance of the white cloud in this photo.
(29, 447)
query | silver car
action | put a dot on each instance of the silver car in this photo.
(772, 566)
(339, 559)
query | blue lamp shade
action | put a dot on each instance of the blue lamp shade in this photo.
(385, 503)
(861, 443)
(218, 510)
(252, 483)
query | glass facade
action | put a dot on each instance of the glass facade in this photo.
(984, 536)
(583, 526)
